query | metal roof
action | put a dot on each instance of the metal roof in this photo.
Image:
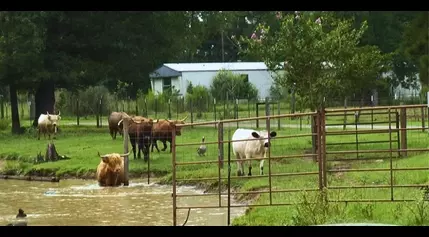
(175, 69)
(164, 71)
(233, 66)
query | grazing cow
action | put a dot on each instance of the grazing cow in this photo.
(255, 148)
(140, 132)
(48, 123)
(110, 171)
(163, 131)
(114, 126)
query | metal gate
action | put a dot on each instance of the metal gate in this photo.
(323, 152)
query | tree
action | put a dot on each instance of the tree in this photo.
(228, 85)
(21, 41)
(319, 54)
(385, 30)
(415, 45)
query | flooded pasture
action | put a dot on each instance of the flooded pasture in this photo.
(84, 203)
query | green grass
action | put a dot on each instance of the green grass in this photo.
(81, 144)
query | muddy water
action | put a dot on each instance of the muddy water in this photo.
(80, 202)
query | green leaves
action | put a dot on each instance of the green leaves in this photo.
(227, 84)
(319, 54)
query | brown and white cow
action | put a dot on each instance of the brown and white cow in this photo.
(163, 130)
(48, 124)
(140, 132)
(110, 171)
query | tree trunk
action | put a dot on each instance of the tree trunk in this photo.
(16, 126)
(1, 107)
(51, 153)
(44, 99)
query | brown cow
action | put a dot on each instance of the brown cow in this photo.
(110, 171)
(140, 132)
(114, 127)
(163, 130)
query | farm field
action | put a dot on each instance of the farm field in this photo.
(81, 144)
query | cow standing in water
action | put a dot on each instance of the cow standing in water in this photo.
(257, 147)
(110, 171)
(48, 123)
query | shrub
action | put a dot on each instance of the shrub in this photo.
(4, 124)
(199, 96)
(227, 83)
(89, 100)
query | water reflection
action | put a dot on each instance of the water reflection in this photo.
(84, 203)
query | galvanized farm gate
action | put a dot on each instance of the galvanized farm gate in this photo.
(323, 153)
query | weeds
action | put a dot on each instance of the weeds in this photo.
(419, 209)
(316, 210)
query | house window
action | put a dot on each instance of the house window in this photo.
(166, 84)
(245, 77)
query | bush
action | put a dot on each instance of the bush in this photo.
(199, 96)
(89, 100)
(278, 92)
(159, 102)
(227, 83)
(4, 124)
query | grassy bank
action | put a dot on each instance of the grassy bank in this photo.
(82, 143)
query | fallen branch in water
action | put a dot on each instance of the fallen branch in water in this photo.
(30, 178)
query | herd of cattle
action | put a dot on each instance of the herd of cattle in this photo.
(145, 132)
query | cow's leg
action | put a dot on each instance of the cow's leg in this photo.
(38, 136)
(249, 163)
(146, 145)
(164, 142)
(112, 133)
(139, 147)
(239, 165)
(170, 141)
(154, 144)
(133, 144)
(261, 167)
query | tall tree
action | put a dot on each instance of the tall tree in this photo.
(318, 54)
(21, 42)
(415, 45)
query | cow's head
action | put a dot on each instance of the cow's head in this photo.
(54, 120)
(173, 124)
(113, 161)
(263, 136)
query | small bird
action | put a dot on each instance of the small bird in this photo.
(203, 148)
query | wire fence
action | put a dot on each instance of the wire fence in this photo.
(81, 110)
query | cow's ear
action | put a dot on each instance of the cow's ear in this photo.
(104, 159)
(255, 135)
(273, 134)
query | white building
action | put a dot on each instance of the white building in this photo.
(179, 75)
(400, 92)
